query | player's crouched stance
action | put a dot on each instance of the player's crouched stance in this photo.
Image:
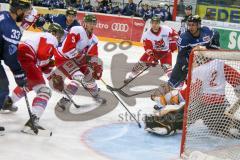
(168, 113)
(34, 55)
(78, 60)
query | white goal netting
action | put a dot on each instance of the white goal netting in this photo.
(212, 114)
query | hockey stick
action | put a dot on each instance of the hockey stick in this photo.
(94, 97)
(120, 91)
(120, 88)
(35, 130)
(135, 94)
(70, 98)
(139, 125)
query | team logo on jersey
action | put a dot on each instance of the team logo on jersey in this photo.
(159, 44)
(207, 38)
(12, 49)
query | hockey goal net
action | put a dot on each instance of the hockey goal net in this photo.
(212, 112)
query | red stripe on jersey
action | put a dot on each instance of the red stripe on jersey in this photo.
(70, 42)
(147, 44)
(45, 50)
(93, 50)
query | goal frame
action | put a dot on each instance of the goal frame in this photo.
(189, 80)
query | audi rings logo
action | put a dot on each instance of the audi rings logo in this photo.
(120, 27)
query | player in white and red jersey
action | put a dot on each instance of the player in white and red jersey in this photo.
(159, 44)
(34, 55)
(208, 88)
(78, 60)
(209, 85)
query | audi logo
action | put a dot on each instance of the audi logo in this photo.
(120, 27)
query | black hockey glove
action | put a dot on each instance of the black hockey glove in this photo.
(21, 79)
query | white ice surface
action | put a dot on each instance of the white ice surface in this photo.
(68, 141)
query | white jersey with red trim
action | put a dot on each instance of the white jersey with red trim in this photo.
(76, 43)
(160, 42)
(214, 79)
(209, 81)
(42, 45)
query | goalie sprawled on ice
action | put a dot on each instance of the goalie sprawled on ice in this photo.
(168, 113)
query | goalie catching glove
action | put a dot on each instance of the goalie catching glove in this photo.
(58, 82)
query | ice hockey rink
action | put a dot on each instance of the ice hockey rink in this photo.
(88, 134)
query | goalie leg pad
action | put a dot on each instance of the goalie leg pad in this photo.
(165, 125)
(153, 124)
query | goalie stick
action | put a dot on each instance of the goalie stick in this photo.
(130, 95)
(120, 91)
(139, 125)
(120, 88)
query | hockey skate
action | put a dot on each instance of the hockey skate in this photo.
(62, 104)
(99, 100)
(32, 127)
(127, 80)
(2, 129)
(8, 106)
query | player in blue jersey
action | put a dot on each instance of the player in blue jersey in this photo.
(66, 21)
(10, 36)
(195, 36)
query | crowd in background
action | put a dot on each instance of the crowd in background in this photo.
(105, 6)
(145, 11)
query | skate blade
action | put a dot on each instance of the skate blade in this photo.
(7, 111)
(45, 133)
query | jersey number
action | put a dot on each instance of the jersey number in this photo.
(213, 82)
(15, 34)
(73, 39)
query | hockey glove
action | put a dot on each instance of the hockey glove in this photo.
(97, 71)
(39, 22)
(48, 68)
(58, 82)
(21, 79)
